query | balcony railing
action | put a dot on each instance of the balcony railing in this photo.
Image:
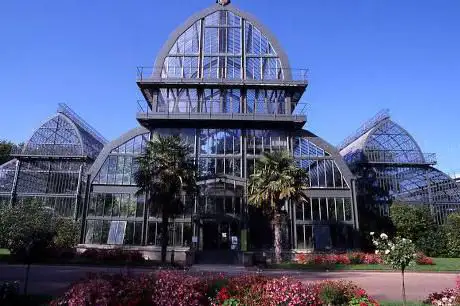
(216, 74)
(401, 157)
(214, 109)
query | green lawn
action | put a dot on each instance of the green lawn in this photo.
(441, 265)
(4, 252)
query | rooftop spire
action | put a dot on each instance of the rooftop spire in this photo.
(223, 2)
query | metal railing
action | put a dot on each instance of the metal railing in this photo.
(222, 74)
(216, 109)
(403, 157)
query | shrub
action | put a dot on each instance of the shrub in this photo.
(452, 228)
(8, 292)
(67, 232)
(118, 255)
(417, 223)
(26, 229)
(421, 259)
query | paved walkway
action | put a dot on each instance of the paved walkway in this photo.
(382, 285)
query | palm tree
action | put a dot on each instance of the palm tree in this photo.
(164, 173)
(277, 180)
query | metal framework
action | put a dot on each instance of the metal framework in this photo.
(52, 164)
(224, 84)
(385, 156)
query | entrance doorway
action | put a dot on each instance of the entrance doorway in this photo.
(220, 235)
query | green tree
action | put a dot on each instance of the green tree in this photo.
(417, 223)
(276, 181)
(5, 151)
(452, 228)
(165, 172)
(26, 229)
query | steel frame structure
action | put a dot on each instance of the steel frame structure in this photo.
(50, 167)
(385, 156)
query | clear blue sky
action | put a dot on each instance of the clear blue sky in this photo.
(363, 56)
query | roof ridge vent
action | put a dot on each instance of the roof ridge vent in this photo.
(368, 125)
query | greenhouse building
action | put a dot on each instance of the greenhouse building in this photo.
(224, 84)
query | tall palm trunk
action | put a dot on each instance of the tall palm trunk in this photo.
(164, 237)
(277, 232)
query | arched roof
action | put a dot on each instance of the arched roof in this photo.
(110, 147)
(190, 34)
(64, 134)
(384, 141)
(328, 150)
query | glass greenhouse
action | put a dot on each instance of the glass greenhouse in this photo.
(223, 83)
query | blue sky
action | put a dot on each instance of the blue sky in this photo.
(363, 56)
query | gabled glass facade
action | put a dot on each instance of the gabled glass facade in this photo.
(388, 161)
(223, 84)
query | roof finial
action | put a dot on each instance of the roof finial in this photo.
(223, 2)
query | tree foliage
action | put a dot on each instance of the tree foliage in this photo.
(417, 223)
(165, 172)
(276, 180)
(5, 151)
(452, 228)
(31, 229)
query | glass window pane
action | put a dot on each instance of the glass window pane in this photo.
(116, 232)
(299, 211)
(129, 234)
(137, 233)
(315, 207)
(331, 207)
(307, 210)
(348, 210)
(300, 237)
(340, 210)
(323, 206)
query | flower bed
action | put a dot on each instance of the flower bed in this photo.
(354, 258)
(447, 297)
(178, 288)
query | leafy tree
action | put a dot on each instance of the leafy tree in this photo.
(277, 180)
(417, 223)
(5, 151)
(452, 228)
(166, 171)
(26, 229)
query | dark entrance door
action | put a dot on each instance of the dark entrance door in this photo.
(218, 235)
(210, 236)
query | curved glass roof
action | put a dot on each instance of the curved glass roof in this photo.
(223, 45)
(64, 135)
(400, 166)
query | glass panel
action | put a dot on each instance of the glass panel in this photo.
(315, 207)
(117, 232)
(340, 210)
(137, 233)
(323, 205)
(299, 211)
(348, 210)
(331, 207)
(300, 237)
